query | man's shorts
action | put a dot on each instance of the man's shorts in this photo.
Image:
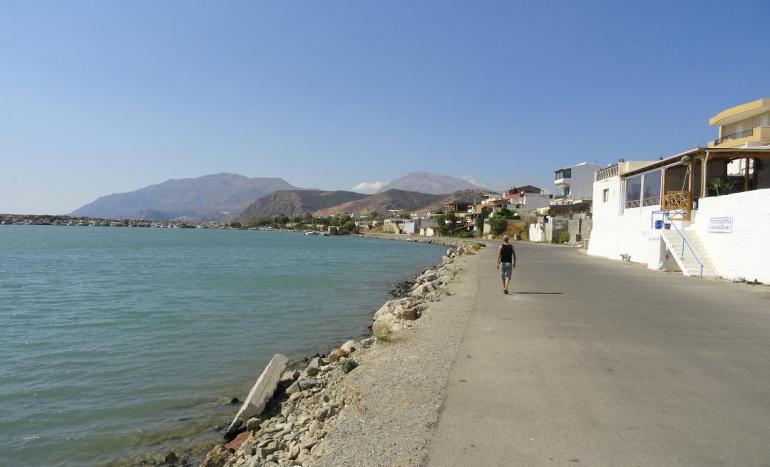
(506, 269)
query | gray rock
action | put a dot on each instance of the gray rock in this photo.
(313, 367)
(350, 346)
(252, 424)
(310, 383)
(368, 342)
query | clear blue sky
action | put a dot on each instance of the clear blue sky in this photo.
(103, 96)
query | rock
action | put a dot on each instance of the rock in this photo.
(350, 346)
(217, 457)
(384, 326)
(424, 289)
(289, 376)
(252, 424)
(294, 388)
(296, 395)
(237, 441)
(313, 367)
(235, 400)
(368, 342)
(171, 458)
(309, 383)
(449, 252)
(340, 353)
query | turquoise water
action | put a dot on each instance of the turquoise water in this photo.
(112, 339)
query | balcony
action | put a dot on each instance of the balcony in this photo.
(758, 136)
(738, 135)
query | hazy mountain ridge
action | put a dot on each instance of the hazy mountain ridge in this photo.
(431, 183)
(330, 203)
(297, 202)
(210, 197)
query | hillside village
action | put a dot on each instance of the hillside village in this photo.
(694, 211)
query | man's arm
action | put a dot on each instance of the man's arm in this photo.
(513, 250)
(499, 256)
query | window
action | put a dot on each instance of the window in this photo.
(651, 188)
(605, 195)
(633, 191)
(563, 173)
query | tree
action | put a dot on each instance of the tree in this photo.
(235, 224)
(498, 224)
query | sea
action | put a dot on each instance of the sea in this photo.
(118, 343)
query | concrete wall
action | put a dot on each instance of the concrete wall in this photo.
(617, 231)
(743, 252)
(582, 180)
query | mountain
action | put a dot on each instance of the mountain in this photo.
(297, 202)
(424, 182)
(211, 197)
(383, 202)
(330, 203)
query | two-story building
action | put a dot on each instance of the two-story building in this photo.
(528, 197)
(705, 211)
(575, 183)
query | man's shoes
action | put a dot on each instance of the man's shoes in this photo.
(505, 291)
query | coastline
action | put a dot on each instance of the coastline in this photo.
(308, 419)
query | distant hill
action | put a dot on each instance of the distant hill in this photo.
(211, 197)
(431, 183)
(473, 196)
(382, 202)
(297, 202)
(329, 203)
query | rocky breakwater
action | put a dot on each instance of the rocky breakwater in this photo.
(306, 402)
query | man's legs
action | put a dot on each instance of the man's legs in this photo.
(506, 281)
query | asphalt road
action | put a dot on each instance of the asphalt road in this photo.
(592, 362)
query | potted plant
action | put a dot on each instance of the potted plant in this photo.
(722, 186)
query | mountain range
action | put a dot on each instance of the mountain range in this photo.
(211, 197)
(228, 196)
(431, 183)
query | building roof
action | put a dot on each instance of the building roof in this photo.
(723, 152)
(741, 112)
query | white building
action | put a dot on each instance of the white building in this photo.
(575, 183)
(691, 212)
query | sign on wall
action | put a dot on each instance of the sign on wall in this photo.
(721, 224)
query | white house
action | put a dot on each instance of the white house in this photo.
(575, 183)
(691, 212)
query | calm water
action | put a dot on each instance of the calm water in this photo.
(112, 339)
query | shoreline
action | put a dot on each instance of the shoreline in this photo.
(302, 412)
(192, 450)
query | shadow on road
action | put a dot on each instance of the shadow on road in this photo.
(537, 293)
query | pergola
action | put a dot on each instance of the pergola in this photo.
(686, 176)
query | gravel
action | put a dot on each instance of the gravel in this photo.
(399, 384)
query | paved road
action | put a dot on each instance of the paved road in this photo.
(594, 362)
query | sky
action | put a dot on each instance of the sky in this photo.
(98, 97)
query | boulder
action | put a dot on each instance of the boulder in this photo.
(368, 342)
(424, 289)
(217, 457)
(313, 367)
(350, 346)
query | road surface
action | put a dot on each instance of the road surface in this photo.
(592, 362)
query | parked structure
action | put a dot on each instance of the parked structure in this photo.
(705, 211)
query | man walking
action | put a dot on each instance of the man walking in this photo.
(506, 257)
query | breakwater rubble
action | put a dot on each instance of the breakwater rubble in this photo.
(302, 410)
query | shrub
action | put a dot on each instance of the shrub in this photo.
(498, 224)
(347, 365)
(563, 237)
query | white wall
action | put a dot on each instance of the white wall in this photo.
(582, 181)
(536, 200)
(617, 231)
(744, 252)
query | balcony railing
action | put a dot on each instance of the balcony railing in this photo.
(677, 200)
(740, 134)
(607, 172)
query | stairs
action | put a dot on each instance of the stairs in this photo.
(683, 255)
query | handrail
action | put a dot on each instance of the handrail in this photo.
(736, 135)
(685, 242)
